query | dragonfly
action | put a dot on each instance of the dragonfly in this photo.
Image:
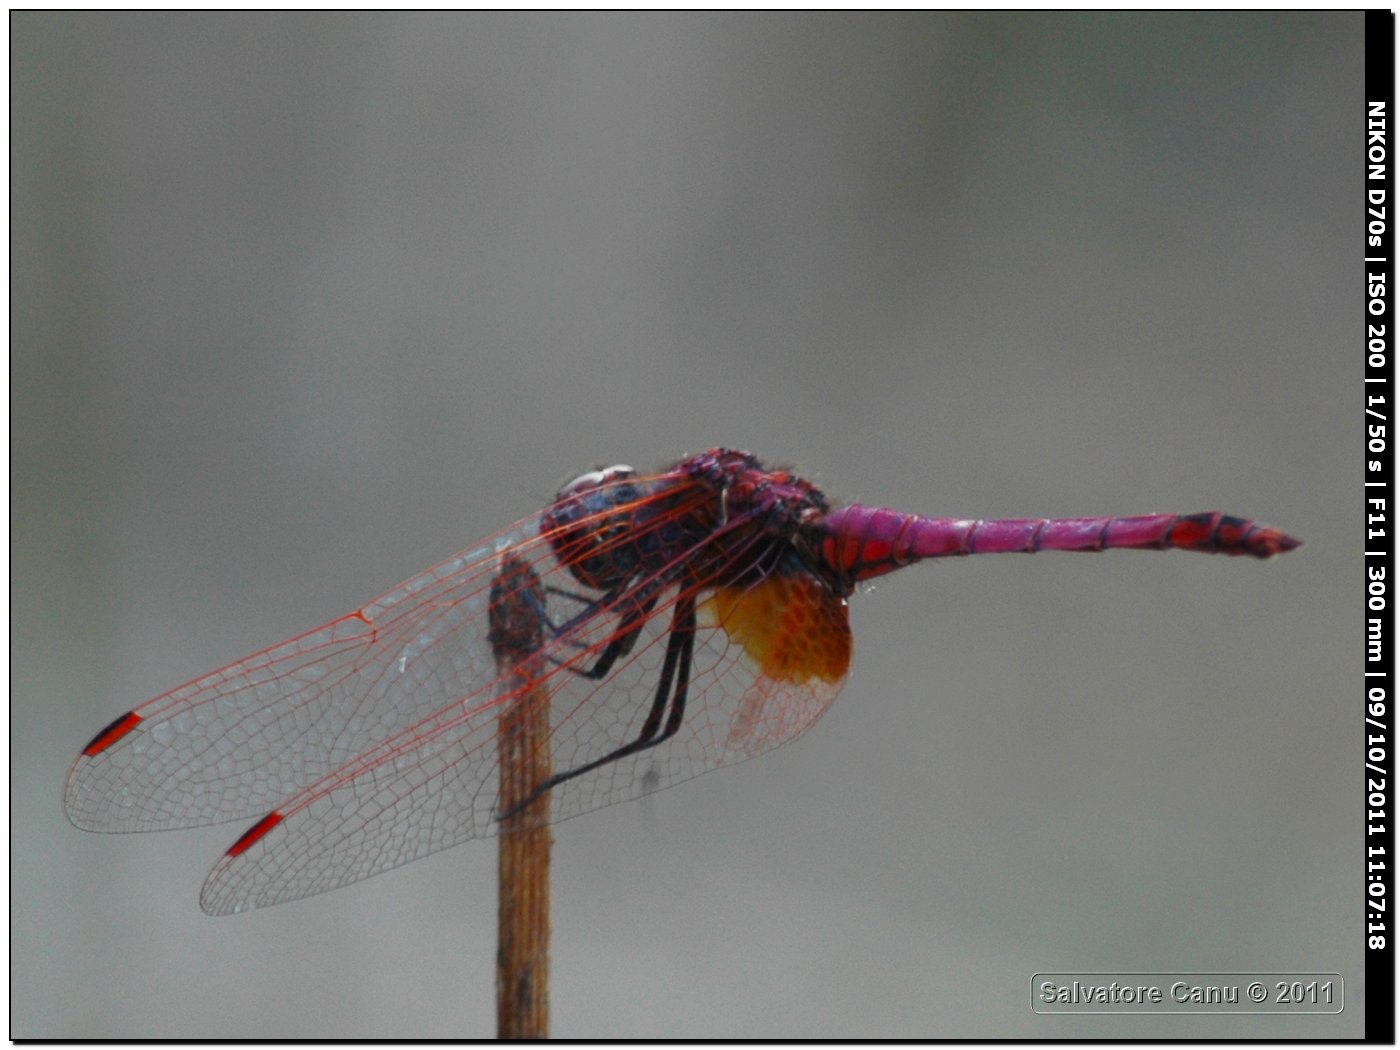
(678, 621)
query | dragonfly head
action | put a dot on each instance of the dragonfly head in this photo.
(588, 525)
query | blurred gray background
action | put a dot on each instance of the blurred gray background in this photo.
(302, 304)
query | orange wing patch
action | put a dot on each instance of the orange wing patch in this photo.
(797, 634)
(791, 626)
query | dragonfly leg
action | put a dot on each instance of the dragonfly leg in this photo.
(573, 596)
(622, 642)
(674, 670)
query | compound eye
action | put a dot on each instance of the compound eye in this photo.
(590, 525)
(595, 479)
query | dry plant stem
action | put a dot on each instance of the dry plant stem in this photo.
(522, 947)
(522, 953)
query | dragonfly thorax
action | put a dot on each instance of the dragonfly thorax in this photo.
(777, 500)
(785, 510)
(611, 525)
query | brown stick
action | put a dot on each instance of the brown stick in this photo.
(522, 947)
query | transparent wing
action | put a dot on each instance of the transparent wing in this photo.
(436, 784)
(240, 740)
(371, 741)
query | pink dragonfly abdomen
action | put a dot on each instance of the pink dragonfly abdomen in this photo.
(863, 542)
